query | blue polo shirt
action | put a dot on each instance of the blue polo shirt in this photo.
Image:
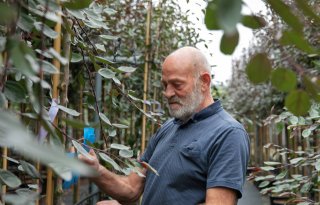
(209, 150)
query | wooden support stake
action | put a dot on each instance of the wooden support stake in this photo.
(146, 73)
(55, 95)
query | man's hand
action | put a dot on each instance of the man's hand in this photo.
(108, 202)
(94, 162)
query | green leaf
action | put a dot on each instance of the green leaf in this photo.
(312, 88)
(57, 56)
(258, 68)
(76, 13)
(49, 68)
(253, 22)
(298, 102)
(285, 13)
(76, 58)
(121, 126)
(126, 153)
(293, 120)
(119, 146)
(110, 161)
(104, 118)
(297, 160)
(69, 111)
(281, 175)
(3, 101)
(210, 18)
(9, 178)
(47, 31)
(112, 132)
(77, 4)
(284, 79)
(305, 8)
(81, 150)
(18, 51)
(229, 42)
(13, 134)
(306, 187)
(7, 13)
(317, 165)
(103, 60)
(271, 163)
(108, 37)
(268, 168)
(229, 14)
(264, 184)
(61, 170)
(297, 39)
(106, 73)
(15, 92)
(25, 22)
(306, 133)
(30, 169)
(127, 69)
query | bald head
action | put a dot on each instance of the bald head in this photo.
(190, 58)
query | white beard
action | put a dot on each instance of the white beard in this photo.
(189, 104)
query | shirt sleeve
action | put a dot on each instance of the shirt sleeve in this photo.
(228, 159)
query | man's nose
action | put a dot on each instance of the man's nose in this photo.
(168, 92)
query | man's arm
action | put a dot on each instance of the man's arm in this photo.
(123, 188)
(221, 196)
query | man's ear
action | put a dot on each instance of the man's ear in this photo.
(206, 81)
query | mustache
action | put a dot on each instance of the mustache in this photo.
(174, 99)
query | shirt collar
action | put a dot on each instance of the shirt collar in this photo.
(204, 113)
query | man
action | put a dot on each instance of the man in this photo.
(201, 155)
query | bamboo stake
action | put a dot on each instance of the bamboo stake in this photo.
(156, 55)
(145, 79)
(55, 95)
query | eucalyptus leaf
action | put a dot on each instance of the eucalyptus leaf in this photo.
(229, 14)
(210, 19)
(253, 22)
(126, 153)
(127, 69)
(110, 161)
(297, 39)
(9, 178)
(229, 42)
(306, 133)
(285, 13)
(284, 79)
(104, 118)
(297, 160)
(121, 126)
(106, 73)
(264, 184)
(268, 168)
(281, 175)
(317, 165)
(76, 58)
(81, 150)
(25, 22)
(119, 146)
(258, 68)
(298, 102)
(49, 68)
(271, 163)
(69, 111)
(30, 169)
(108, 37)
(15, 92)
(112, 132)
(76, 4)
(46, 30)
(61, 170)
